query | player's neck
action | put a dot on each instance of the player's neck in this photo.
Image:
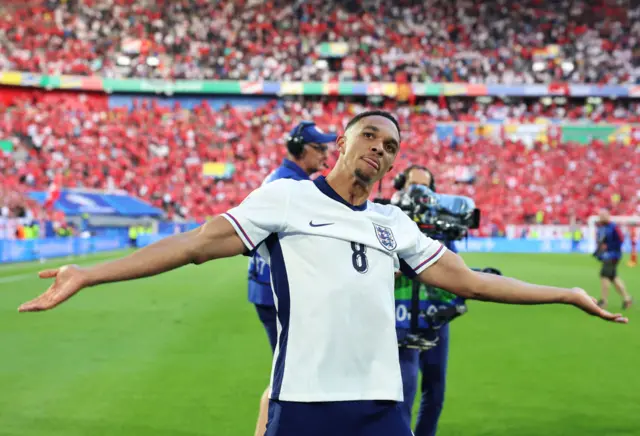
(348, 187)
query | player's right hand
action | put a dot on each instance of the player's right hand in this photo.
(69, 279)
(590, 305)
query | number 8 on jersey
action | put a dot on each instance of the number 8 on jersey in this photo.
(359, 257)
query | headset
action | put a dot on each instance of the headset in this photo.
(295, 142)
(401, 178)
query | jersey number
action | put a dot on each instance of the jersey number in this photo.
(359, 257)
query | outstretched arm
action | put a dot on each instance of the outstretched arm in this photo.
(215, 239)
(242, 228)
(452, 274)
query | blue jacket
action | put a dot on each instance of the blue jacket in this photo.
(259, 271)
(612, 237)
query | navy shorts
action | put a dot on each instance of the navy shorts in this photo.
(342, 418)
(269, 316)
(609, 269)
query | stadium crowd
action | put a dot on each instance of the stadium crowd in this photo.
(485, 109)
(493, 41)
(157, 152)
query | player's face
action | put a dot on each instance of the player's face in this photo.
(369, 148)
(315, 157)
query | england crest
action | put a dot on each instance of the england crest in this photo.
(385, 236)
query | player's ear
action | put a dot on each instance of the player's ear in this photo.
(341, 144)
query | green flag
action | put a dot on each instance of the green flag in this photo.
(6, 146)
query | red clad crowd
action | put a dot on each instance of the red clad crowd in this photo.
(493, 41)
(157, 153)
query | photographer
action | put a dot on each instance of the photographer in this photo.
(424, 339)
(432, 362)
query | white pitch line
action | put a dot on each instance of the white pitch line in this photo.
(34, 273)
(17, 277)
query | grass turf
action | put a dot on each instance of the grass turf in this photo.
(184, 354)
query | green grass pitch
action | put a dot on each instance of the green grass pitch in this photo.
(184, 354)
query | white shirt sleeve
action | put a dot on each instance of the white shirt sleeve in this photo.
(421, 252)
(261, 213)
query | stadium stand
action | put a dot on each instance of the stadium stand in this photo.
(494, 41)
(157, 152)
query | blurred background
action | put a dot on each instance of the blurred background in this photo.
(124, 121)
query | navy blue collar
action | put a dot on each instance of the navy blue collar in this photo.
(295, 168)
(327, 190)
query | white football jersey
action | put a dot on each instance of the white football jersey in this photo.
(332, 274)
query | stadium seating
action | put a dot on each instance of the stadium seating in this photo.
(157, 152)
(376, 40)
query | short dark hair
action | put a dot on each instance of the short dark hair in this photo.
(373, 113)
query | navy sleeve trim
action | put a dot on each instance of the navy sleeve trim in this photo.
(411, 272)
(253, 246)
(430, 258)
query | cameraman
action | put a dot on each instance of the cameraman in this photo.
(432, 362)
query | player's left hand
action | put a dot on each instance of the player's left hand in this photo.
(589, 304)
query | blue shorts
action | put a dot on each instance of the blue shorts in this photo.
(342, 418)
(269, 317)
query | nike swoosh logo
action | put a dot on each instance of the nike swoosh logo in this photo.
(319, 225)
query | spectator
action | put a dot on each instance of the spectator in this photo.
(157, 152)
(383, 40)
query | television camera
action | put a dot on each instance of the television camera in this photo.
(421, 310)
